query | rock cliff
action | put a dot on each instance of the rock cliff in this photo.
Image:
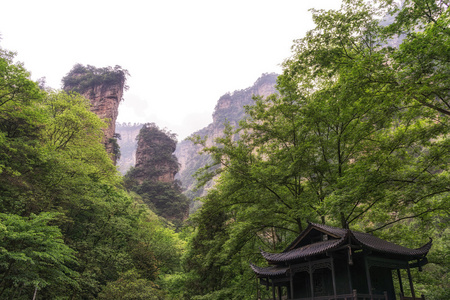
(229, 108)
(154, 155)
(153, 176)
(104, 88)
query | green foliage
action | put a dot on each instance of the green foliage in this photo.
(54, 170)
(115, 147)
(155, 148)
(32, 255)
(165, 198)
(131, 287)
(84, 78)
(358, 137)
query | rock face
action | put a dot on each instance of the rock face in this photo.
(104, 88)
(153, 176)
(154, 155)
(105, 104)
(127, 134)
(229, 108)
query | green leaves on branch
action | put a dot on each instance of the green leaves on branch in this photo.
(67, 226)
(33, 255)
(358, 136)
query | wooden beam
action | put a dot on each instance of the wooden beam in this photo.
(419, 264)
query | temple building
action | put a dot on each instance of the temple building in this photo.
(329, 263)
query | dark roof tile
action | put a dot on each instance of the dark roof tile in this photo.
(376, 244)
(363, 239)
(269, 271)
(302, 252)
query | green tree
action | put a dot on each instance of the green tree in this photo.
(33, 256)
(131, 287)
(68, 227)
(165, 199)
(343, 143)
(421, 62)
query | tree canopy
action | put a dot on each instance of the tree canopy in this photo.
(357, 136)
(67, 225)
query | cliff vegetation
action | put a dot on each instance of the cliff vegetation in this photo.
(68, 230)
(104, 88)
(153, 175)
(83, 78)
(356, 134)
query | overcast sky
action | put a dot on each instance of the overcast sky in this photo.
(182, 55)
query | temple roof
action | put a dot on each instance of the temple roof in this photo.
(302, 252)
(338, 238)
(269, 271)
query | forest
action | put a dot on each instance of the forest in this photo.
(356, 136)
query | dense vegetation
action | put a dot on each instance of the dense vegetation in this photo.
(68, 230)
(155, 161)
(229, 109)
(358, 136)
(83, 78)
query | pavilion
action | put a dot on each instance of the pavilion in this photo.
(329, 263)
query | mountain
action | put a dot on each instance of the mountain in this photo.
(104, 88)
(229, 108)
(154, 155)
(153, 176)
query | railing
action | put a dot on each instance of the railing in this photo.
(422, 297)
(353, 296)
(356, 296)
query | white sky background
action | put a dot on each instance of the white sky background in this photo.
(182, 55)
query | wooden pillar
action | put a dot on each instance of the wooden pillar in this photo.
(413, 294)
(273, 290)
(291, 281)
(311, 283)
(349, 263)
(369, 283)
(399, 275)
(349, 274)
(333, 277)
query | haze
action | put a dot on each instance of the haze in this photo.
(182, 55)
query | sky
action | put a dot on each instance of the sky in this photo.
(182, 55)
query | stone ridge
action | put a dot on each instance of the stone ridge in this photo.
(154, 155)
(105, 98)
(229, 108)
